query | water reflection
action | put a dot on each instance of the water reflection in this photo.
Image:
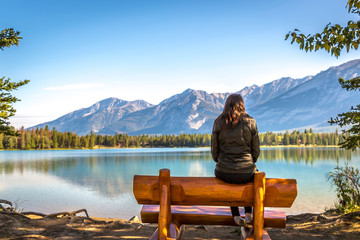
(107, 175)
(110, 173)
(105, 163)
(306, 155)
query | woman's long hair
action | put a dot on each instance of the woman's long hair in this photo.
(234, 109)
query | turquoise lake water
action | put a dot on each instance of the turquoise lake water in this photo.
(101, 180)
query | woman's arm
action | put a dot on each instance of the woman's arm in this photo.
(255, 143)
(215, 141)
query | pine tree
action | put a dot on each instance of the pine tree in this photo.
(286, 139)
(22, 142)
(92, 140)
(351, 118)
(1, 140)
(8, 38)
(10, 142)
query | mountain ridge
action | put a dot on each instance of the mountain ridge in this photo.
(284, 103)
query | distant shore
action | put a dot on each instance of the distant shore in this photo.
(104, 147)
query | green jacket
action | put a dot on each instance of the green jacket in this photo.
(235, 149)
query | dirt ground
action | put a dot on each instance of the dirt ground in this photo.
(329, 225)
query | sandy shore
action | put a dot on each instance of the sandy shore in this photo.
(329, 225)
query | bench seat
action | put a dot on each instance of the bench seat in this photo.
(173, 202)
(209, 215)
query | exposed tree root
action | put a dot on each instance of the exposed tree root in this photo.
(34, 213)
(6, 202)
(11, 211)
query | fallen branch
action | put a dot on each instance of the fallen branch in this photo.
(15, 214)
(4, 209)
(67, 213)
(52, 215)
(6, 202)
(34, 213)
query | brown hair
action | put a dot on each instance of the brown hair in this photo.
(234, 109)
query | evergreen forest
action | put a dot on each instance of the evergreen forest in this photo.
(44, 138)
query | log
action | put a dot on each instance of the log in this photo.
(211, 191)
(208, 215)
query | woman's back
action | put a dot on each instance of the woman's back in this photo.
(236, 147)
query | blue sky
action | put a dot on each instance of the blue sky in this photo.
(79, 52)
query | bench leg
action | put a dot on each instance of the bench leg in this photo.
(165, 205)
(174, 233)
(259, 192)
(265, 235)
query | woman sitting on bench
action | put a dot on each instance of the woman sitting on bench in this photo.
(235, 147)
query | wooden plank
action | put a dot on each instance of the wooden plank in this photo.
(209, 215)
(165, 205)
(259, 191)
(214, 192)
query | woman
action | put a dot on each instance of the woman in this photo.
(235, 147)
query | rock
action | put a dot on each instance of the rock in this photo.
(120, 225)
(134, 219)
(202, 227)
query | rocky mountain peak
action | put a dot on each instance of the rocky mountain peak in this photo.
(284, 103)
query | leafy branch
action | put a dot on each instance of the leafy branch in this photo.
(9, 37)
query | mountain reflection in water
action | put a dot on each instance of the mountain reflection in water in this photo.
(108, 173)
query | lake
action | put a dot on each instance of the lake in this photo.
(101, 180)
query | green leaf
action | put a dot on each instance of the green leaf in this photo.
(355, 44)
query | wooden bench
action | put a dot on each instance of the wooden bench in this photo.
(172, 202)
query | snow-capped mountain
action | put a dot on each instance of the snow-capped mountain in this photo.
(96, 117)
(255, 95)
(311, 103)
(282, 104)
(191, 111)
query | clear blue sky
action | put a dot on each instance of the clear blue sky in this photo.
(79, 52)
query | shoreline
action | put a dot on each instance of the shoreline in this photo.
(102, 147)
(323, 226)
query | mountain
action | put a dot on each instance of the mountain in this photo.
(311, 103)
(96, 117)
(255, 95)
(282, 104)
(194, 111)
(191, 111)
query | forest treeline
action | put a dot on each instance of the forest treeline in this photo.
(44, 138)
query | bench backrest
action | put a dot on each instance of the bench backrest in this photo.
(214, 192)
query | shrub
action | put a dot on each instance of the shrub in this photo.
(347, 182)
